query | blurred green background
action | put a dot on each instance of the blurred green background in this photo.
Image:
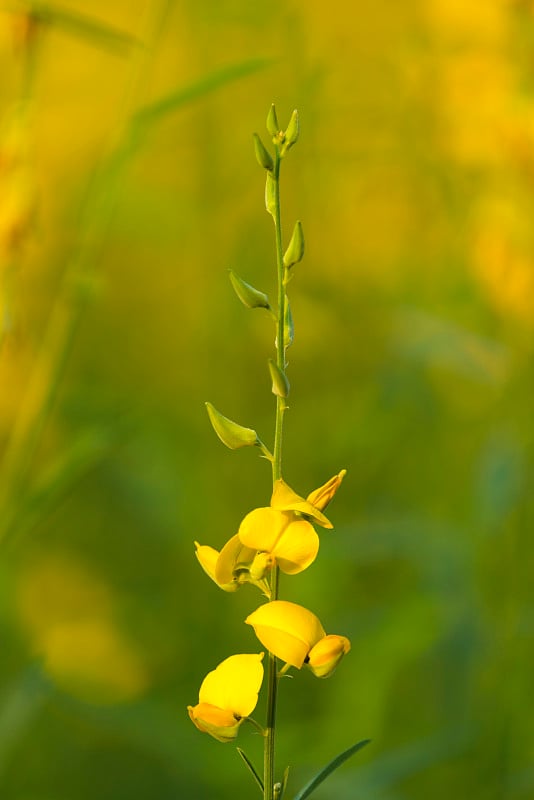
(128, 187)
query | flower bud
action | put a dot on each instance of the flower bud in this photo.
(295, 250)
(324, 657)
(280, 385)
(263, 156)
(230, 433)
(292, 133)
(249, 296)
(321, 497)
(272, 122)
(270, 195)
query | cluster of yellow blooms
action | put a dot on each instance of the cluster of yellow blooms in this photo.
(279, 535)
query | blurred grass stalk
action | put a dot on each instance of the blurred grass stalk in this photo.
(77, 287)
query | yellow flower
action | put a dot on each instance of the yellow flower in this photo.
(296, 636)
(228, 695)
(322, 496)
(234, 565)
(291, 542)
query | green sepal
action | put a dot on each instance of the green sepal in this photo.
(270, 195)
(272, 122)
(280, 385)
(249, 296)
(330, 767)
(263, 156)
(250, 767)
(295, 250)
(291, 133)
(230, 433)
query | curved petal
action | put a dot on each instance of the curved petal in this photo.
(322, 496)
(234, 684)
(297, 547)
(262, 528)
(326, 655)
(285, 499)
(218, 722)
(229, 560)
(288, 630)
(208, 557)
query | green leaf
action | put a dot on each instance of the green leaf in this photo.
(250, 767)
(187, 94)
(229, 432)
(330, 767)
(83, 26)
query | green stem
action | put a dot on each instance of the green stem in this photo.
(272, 673)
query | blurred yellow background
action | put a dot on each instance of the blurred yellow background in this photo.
(128, 188)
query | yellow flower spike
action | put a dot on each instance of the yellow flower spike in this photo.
(227, 695)
(233, 562)
(287, 630)
(291, 541)
(285, 499)
(323, 495)
(324, 657)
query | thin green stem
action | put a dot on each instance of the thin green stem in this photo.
(272, 673)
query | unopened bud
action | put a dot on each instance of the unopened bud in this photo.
(292, 133)
(280, 385)
(230, 433)
(295, 250)
(249, 296)
(272, 122)
(270, 195)
(262, 154)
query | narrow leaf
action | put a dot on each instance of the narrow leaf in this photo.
(330, 767)
(250, 767)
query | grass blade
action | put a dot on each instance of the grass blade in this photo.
(330, 767)
(250, 766)
(209, 83)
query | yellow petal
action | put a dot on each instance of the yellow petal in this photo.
(262, 528)
(326, 655)
(218, 722)
(322, 496)
(208, 557)
(285, 499)
(233, 558)
(297, 547)
(287, 630)
(234, 684)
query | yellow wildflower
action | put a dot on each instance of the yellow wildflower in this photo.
(296, 636)
(228, 695)
(322, 496)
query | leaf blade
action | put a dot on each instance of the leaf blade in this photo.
(250, 767)
(329, 768)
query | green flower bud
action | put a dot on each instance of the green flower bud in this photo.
(289, 329)
(249, 296)
(280, 385)
(272, 122)
(292, 133)
(295, 250)
(230, 433)
(270, 195)
(262, 154)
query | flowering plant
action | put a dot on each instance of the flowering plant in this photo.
(274, 538)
